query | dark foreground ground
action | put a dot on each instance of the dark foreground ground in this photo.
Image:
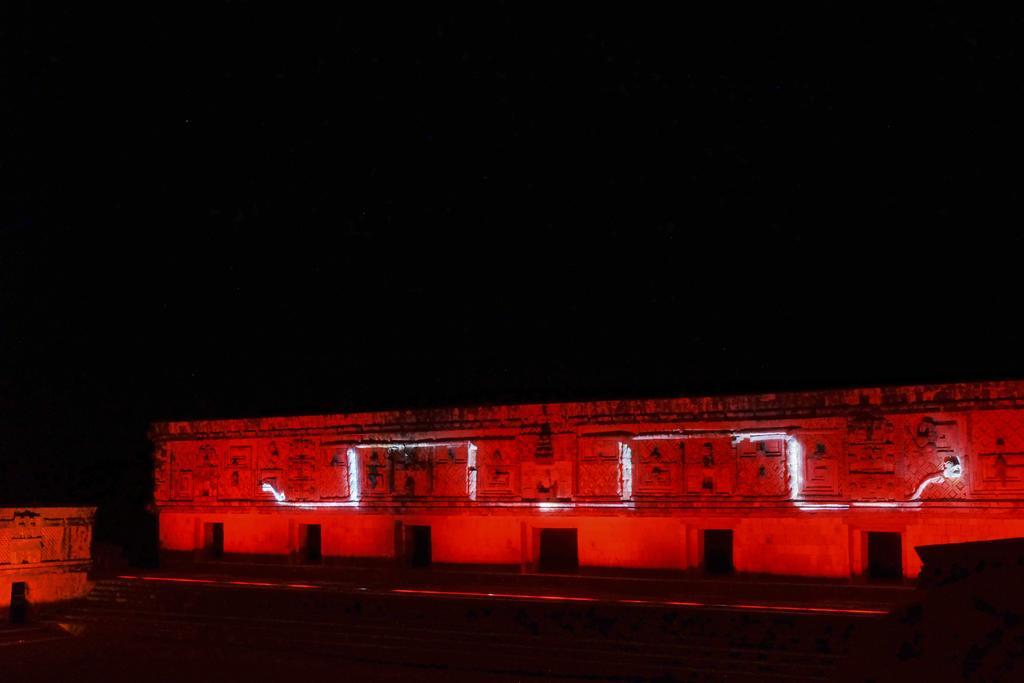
(385, 625)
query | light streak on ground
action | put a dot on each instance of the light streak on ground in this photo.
(657, 603)
(798, 608)
(261, 584)
(514, 596)
(251, 583)
(532, 596)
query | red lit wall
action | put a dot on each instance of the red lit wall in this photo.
(800, 479)
(48, 549)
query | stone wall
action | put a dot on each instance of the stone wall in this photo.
(800, 476)
(49, 549)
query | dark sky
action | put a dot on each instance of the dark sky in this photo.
(266, 210)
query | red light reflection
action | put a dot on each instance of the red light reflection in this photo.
(660, 603)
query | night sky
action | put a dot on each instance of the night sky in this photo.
(263, 210)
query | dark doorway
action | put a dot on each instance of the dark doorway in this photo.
(718, 551)
(885, 555)
(310, 548)
(213, 540)
(559, 551)
(417, 545)
(19, 602)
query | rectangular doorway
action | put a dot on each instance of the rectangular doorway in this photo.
(417, 546)
(213, 540)
(885, 555)
(19, 602)
(310, 544)
(559, 551)
(718, 551)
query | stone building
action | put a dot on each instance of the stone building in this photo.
(830, 483)
(44, 554)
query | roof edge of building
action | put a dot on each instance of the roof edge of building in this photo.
(728, 406)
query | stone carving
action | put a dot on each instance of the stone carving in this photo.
(51, 535)
(450, 470)
(54, 540)
(48, 548)
(1001, 472)
(710, 468)
(939, 436)
(871, 447)
(547, 481)
(376, 472)
(761, 468)
(237, 478)
(332, 479)
(874, 487)
(181, 487)
(206, 473)
(271, 480)
(237, 485)
(413, 471)
(865, 457)
(544, 448)
(951, 471)
(26, 549)
(240, 457)
(79, 539)
(180, 462)
(872, 458)
(497, 464)
(207, 456)
(301, 483)
(933, 467)
(600, 470)
(26, 539)
(997, 440)
(822, 454)
(657, 467)
(161, 473)
(270, 455)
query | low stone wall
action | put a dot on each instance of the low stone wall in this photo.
(47, 550)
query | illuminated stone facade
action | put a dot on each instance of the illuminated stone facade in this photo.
(46, 549)
(802, 480)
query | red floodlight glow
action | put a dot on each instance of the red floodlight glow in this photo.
(252, 583)
(471, 594)
(660, 603)
(798, 608)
